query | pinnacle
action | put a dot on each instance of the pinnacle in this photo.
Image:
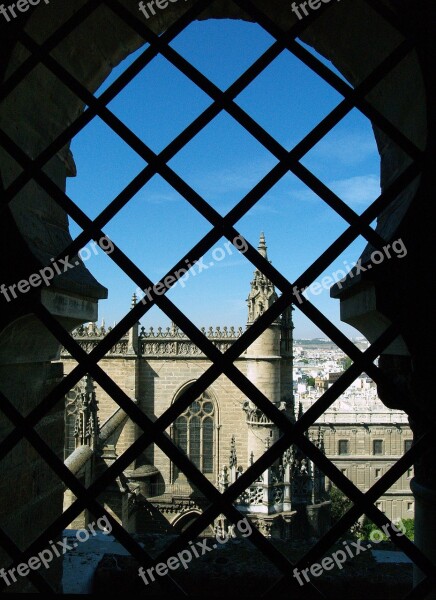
(262, 245)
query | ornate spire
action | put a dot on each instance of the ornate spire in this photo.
(262, 293)
(262, 246)
(134, 300)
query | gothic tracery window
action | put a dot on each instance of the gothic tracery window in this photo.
(194, 433)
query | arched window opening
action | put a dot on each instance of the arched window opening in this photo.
(194, 434)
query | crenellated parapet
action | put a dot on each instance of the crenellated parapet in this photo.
(156, 342)
(173, 342)
(176, 333)
(90, 330)
(89, 342)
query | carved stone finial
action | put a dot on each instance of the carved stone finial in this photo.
(288, 456)
(86, 426)
(223, 479)
(233, 460)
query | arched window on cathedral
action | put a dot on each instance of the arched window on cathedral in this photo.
(194, 434)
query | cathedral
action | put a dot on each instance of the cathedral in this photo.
(222, 432)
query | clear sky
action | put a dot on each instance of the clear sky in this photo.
(222, 164)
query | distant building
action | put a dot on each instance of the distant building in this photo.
(364, 439)
(323, 383)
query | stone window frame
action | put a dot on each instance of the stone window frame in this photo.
(378, 447)
(345, 443)
(205, 397)
(221, 363)
(407, 445)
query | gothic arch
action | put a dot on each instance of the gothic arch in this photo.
(210, 391)
(182, 521)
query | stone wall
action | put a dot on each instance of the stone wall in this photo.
(158, 383)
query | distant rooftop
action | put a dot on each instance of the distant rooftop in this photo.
(355, 406)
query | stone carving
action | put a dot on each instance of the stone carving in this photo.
(82, 405)
(253, 495)
(255, 417)
(162, 342)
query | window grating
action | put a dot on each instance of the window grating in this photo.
(222, 363)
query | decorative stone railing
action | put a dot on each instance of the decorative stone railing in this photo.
(258, 494)
(176, 333)
(160, 342)
(89, 343)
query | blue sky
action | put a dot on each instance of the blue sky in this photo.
(222, 164)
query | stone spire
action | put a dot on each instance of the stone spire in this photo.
(262, 246)
(262, 293)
